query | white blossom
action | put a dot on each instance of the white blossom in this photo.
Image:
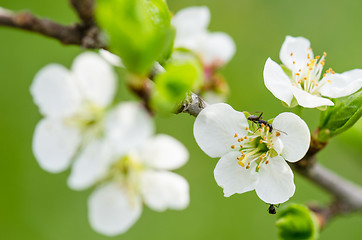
(252, 157)
(304, 80)
(73, 103)
(214, 48)
(128, 176)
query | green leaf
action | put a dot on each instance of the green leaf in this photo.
(345, 112)
(183, 74)
(139, 31)
(298, 223)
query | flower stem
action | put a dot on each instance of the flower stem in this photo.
(298, 110)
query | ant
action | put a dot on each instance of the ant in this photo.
(271, 208)
(259, 120)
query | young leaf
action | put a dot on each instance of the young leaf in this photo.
(139, 31)
(343, 114)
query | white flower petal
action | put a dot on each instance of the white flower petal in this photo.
(216, 48)
(215, 127)
(296, 136)
(162, 190)
(128, 126)
(111, 58)
(163, 152)
(275, 183)
(232, 177)
(277, 81)
(190, 21)
(54, 144)
(112, 210)
(308, 100)
(55, 92)
(95, 77)
(342, 84)
(90, 166)
(295, 49)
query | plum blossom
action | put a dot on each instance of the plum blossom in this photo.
(214, 48)
(303, 81)
(252, 157)
(127, 177)
(74, 104)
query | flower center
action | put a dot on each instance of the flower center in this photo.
(308, 77)
(88, 120)
(257, 146)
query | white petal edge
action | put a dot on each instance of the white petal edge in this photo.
(216, 49)
(343, 84)
(96, 78)
(232, 177)
(295, 135)
(308, 100)
(112, 210)
(54, 144)
(277, 82)
(163, 190)
(276, 184)
(55, 92)
(163, 152)
(300, 47)
(111, 58)
(127, 126)
(90, 166)
(191, 21)
(215, 127)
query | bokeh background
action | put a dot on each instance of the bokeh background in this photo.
(38, 205)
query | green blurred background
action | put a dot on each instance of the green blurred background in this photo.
(38, 205)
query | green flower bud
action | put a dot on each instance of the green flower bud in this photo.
(297, 222)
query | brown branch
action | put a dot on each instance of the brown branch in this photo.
(85, 10)
(76, 34)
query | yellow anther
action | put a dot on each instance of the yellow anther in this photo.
(267, 128)
(300, 81)
(316, 84)
(307, 64)
(324, 75)
(293, 62)
(260, 158)
(241, 163)
(324, 54)
(264, 137)
(258, 167)
(239, 140)
(305, 78)
(236, 135)
(300, 70)
(297, 74)
(233, 146)
(263, 155)
(247, 167)
(317, 57)
(247, 128)
(260, 130)
(291, 54)
(262, 125)
(249, 163)
(322, 63)
(333, 72)
(308, 56)
(266, 162)
(245, 137)
(311, 68)
(261, 141)
(329, 81)
(277, 134)
(241, 146)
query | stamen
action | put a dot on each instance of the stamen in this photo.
(291, 54)
(241, 163)
(233, 146)
(277, 134)
(236, 135)
(247, 128)
(266, 162)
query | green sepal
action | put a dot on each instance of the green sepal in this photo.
(139, 31)
(343, 115)
(297, 222)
